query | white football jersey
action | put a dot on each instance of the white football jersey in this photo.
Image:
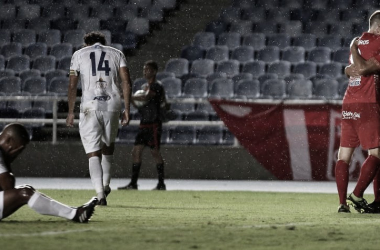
(98, 66)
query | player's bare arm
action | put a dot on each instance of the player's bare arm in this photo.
(364, 67)
(7, 181)
(351, 71)
(127, 92)
(72, 95)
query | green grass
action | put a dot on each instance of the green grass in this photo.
(195, 220)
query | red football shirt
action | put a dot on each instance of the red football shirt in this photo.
(364, 89)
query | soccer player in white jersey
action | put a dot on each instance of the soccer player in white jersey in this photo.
(105, 83)
(13, 140)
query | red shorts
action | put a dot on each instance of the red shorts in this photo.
(360, 125)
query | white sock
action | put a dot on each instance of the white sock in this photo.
(47, 206)
(107, 161)
(96, 174)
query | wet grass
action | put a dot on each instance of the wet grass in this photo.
(195, 220)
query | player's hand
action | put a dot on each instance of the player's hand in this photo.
(124, 118)
(70, 120)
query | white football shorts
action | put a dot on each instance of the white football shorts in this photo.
(98, 127)
(1, 204)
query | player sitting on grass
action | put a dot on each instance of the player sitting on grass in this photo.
(13, 140)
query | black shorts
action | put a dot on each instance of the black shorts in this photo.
(149, 135)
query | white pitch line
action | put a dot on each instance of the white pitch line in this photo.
(50, 233)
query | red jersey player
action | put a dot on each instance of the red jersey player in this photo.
(361, 117)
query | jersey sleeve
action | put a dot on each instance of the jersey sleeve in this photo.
(74, 65)
(123, 61)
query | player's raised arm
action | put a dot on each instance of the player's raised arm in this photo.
(126, 86)
(364, 67)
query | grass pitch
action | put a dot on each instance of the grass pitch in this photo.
(195, 220)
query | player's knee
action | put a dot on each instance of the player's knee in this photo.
(26, 191)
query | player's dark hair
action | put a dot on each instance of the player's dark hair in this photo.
(375, 17)
(152, 64)
(94, 37)
(18, 132)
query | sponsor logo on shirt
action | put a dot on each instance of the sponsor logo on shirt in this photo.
(354, 81)
(350, 115)
(363, 42)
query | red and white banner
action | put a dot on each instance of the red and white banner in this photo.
(293, 141)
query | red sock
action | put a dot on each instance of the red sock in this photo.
(341, 178)
(367, 173)
(376, 186)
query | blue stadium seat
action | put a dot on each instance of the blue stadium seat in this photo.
(11, 49)
(58, 86)
(267, 76)
(248, 89)
(332, 69)
(206, 106)
(54, 73)
(195, 88)
(273, 88)
(20, 106)
(268, 4)
(342, 85)
(114, 25)
(253, 14)
(7, 73)
(178, 66)
(24, 75)
(2, 62)
(154, 14)
(37, 113)
(256, 68)
(44, 63)
(205, 40)
(230, 67)
(18, 63)
(34, 85)
(29, 11)
(341, 29)
(126, 12)
(192, 52)
(341, 55)
(138, 26)
(326, 89)
(216, 75)
(64, 64)
(210, 135)
(167, 5)
(128, 134)
(318, 28)
(269, 54)
(35, 50)
(278, 14)
(183, 135)
(184, 108)
(280, 40)
(74, 37)
(196, 115)
(172, 86)
(255, 40)
(76, 12)
(293, 77)
(307, 69)
(216, 27)
(307, 41)
(202, 67)
(333, 42)
(39, 24)
(62, 50)
(217, 53)
(300, 89)
(229, 39)
(104, 12)
(230, 15)
(50, 37)
(320, 55)
(163, 75)
(63, 24)
(242, 27)
(26, 37)
(8, 11)
(5, 37)
(293, 54)
(221, 88)
(127, 39)
(10, 84)
(239, 77)
(243, 54)
(53, 11)
(281, 68)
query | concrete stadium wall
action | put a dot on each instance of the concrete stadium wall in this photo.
(182, 162)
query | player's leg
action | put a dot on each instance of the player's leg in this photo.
(42, 204)
(342, 176)
(137, 151)
(160, 168)
(107, 162)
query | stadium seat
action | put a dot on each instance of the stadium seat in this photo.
(292, 28)
(292, 4)
(5, 37)
(154, 14)
(114, 25)
(20, 105)
(178, 66)
(273, 88)
(128, 134)
(104, 12)
(205, 40)
(64, 64)
(269, 54)
(126, 12)
(39, 24)
(307, 41)
(278, 14)
(216, 27)
(30, 73)
(202, 67)
(7, 11)
(341, 55)
(7, 72)
(63, 24)
(10, 85)
(29, 11)
(307, 69)
(293, 77)
(332, 69)
(279, 40)
(255, 14)
(267, 76)
(183, 107)
(11, 49)
(229, 39)
(19, 63)
(35, 50)
(141, 4)
(9, 113)
(320, 55)
(217, 53)
(172, 86)
(342, 85)
(47, 105)
(2, 62)
(281, 68)
(167, 5)
(44, 63)
(80, 12)
(243, 54)
(26, 37)
(263, 27)
(268, 4)
(55, 73)
(293, 54)
(242, 27)
(163, 75)
(318, 28)
(139, 26)
(89, 24)
(74, 37)
(341, 29)
(300, 89)
(326, 89)
(14, 24)
(50, 37)
(230, 67)
(248, 89)
(216, 75)
(192, 53)
(127, 39)
(210, 135)
(206, 106)
(183, 135)
(221, 88)
(340, 4)
(196, 115)
(195, 88)
(58, 86)
(62, 50)
(333, 42)
(256, 68)
(53, 11)
(239, 77)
